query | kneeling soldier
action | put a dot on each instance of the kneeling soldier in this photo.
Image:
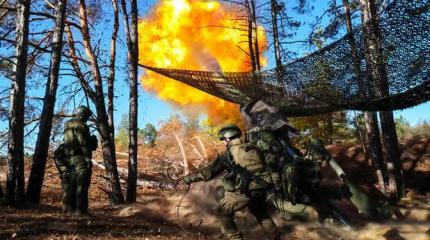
(241, 191)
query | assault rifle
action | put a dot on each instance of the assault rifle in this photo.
(246, 176)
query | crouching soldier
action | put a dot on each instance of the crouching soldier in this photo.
(240, 191)
(75, 168)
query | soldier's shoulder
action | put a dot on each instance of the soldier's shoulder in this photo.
(75, 123)
(70, 122)
(248, 147)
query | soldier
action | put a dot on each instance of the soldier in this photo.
(240, 192)
(78, 146)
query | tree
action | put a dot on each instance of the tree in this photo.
(274, 6)
(42, 144)
(133, 61)
(377, 71)
(121, 137)
(15, 174)
(370, 118)
(149, 135)
(96, 95)
(111, 77)
(403, 127)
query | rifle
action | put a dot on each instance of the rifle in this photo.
(247, 176)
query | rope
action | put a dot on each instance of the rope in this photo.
(188, 233)
(177, 211)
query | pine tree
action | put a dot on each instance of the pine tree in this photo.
(42, 144)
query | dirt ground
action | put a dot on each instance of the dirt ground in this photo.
(156, 214)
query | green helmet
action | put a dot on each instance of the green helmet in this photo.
(83, 112)
(229, 131)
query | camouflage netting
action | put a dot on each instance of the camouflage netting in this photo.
(328, 80)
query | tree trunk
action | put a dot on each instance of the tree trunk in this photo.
(375, 59)
(133, 58)
(276, 46)
(108, 146)
(42, 144)
(371, 120)
(375, 148)
(15, 161)
(250, 36)
(255, 39)
(111, 77)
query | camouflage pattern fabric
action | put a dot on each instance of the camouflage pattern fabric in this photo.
(249, 157)
(329, 79)
(78, 144)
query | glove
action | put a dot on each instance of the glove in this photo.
(89, 164)
(187, 180)
(63, 169)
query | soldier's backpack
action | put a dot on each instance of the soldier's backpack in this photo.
(60, 158)
(299, 177)
(300, 180)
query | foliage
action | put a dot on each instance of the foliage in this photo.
(148, 135)
(330, 128)
(121, 136)
(403, 127)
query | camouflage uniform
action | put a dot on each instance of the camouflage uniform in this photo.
(78, 144)
(239, 193)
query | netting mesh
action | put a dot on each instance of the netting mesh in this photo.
(337, 77)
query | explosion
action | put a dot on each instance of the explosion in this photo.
(194, 35)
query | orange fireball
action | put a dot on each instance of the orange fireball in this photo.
(194, 35)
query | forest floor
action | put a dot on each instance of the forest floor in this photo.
(155, 215)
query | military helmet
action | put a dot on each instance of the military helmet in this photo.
(83, 112)
(229, 131)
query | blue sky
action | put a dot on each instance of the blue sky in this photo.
(151, 109)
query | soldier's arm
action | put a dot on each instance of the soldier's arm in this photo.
(207, 173)
(82, 134)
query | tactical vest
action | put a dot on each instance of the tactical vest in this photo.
(297, 177)
(272, 150)
(250, 157)
(72, 147)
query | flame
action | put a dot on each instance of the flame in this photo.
(195, 35)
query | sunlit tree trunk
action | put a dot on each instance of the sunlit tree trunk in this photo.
(252, 55)
(42, 144)
(375, 59)
(15, 161)
(111, 77)
(133, 58)
(275, 33)
(255, 38)
(108, 146)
